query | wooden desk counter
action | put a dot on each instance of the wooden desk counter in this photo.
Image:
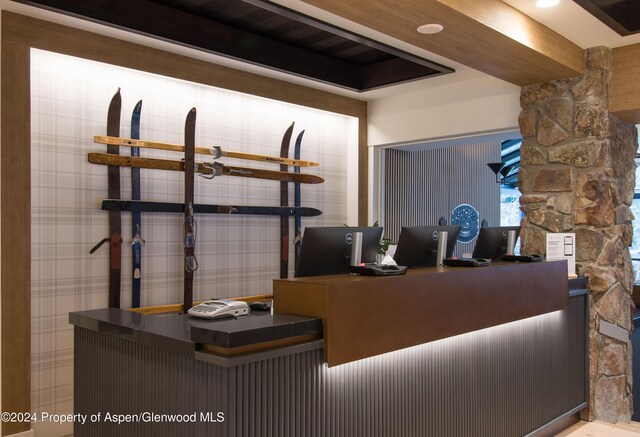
(366, 316)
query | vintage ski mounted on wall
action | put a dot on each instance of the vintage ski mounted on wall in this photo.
(284, 202)
(142, 206)
(190, 226)
(115, 219)
(214, 151)
(189, 167)
(208, 170)
(136, 218)
(297, 201)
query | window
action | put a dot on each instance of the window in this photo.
(635, 209)
(510, 214)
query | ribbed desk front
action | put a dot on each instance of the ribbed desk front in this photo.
(448, 353)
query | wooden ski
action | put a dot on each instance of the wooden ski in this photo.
(213, 169)
(115, 219)
(144, 206)
(190, 230)
(284, 202)
(136, 217)
(297, 220)
(215, 151)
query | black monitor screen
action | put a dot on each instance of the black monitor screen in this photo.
(492, 242)
(418, 245)
(327, 251)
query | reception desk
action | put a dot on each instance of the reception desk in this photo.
(490, 372)
(365, 316)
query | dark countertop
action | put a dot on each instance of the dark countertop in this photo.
(182, 334)
(578, 286)
(186, 335)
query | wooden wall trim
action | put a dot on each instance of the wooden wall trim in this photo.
(21, 33)
(625, 92)
(363, 173)
(16, 239)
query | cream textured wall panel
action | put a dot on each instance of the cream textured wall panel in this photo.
(238, 255)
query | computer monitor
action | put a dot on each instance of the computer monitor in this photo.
(418, 245)
(327, 251)
(492, 241)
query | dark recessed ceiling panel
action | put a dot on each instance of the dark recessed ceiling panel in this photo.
(623, 16)
(261, 33)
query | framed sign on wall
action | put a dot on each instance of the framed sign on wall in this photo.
(466, 216)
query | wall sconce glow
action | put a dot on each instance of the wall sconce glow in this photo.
(547, 3)
(428, 29)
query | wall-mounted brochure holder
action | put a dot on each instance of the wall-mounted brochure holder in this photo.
(562, 246)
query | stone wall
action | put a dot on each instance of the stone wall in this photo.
(578, 175)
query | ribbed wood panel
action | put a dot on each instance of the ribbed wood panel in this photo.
(420, 187)
(504, 381)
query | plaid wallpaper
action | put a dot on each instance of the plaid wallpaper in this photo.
(238, 255)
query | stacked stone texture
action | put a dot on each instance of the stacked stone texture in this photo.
(578, 175)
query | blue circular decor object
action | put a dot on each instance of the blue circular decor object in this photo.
(466, 216)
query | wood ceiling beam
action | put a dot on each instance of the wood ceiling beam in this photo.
(522, 36)
(493, 37)
(487, 35)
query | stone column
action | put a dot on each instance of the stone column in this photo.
(577, 175)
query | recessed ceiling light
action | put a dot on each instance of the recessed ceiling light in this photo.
(428, 29)
(546, 3)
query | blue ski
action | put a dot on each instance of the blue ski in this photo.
(136, 220)
(297, 203)
(190, 225)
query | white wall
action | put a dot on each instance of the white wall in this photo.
(464, 103)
